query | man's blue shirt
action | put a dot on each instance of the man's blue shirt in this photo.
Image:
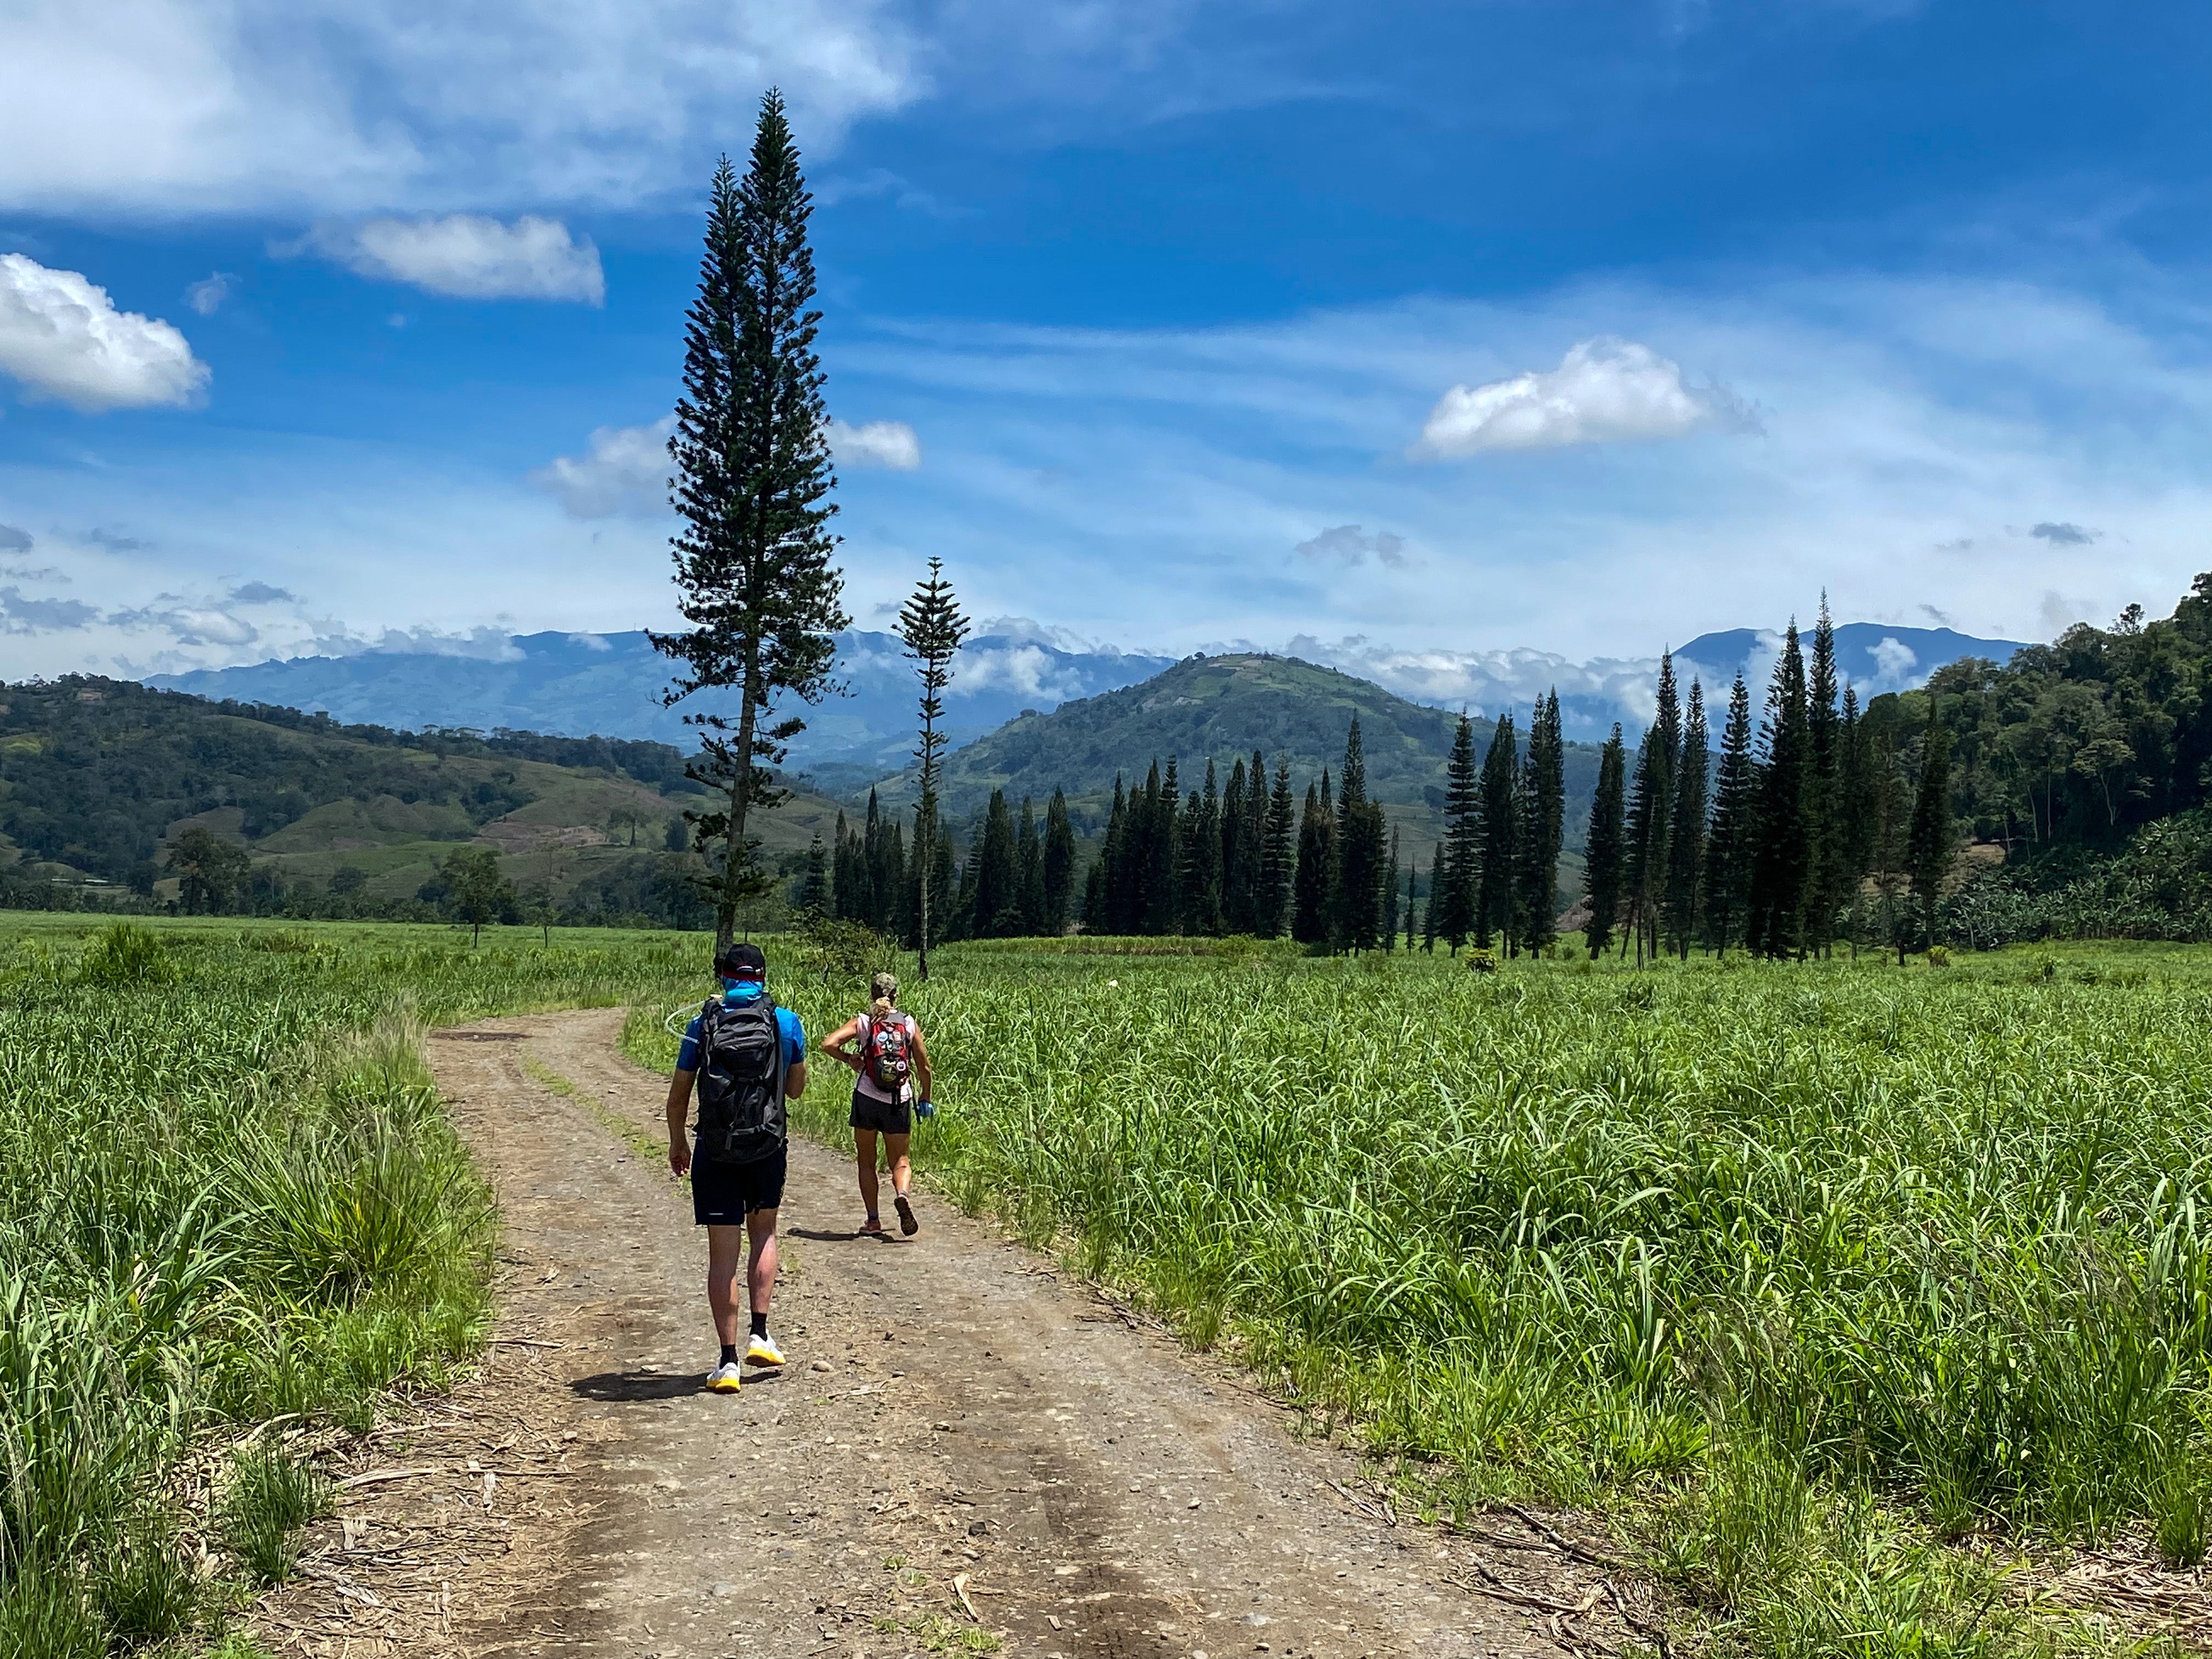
(794, 1033)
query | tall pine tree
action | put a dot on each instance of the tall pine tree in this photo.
(1685, 833)
(931, 627)
(1458, 880)
(1780, 859)
(1309, 901)
(1501, 769)
(1201, 884)
(1650, 811)
(1059, 864)
(1544, 788)
(1730, 846)
(1824, 875)
(1357, 875)
(1932, 839)
(1278, 857)
(1605, 849)
(751, 455)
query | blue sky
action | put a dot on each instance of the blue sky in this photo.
(1409, 336)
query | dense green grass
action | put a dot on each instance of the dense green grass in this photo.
(228, 1192)
(1804, 1269)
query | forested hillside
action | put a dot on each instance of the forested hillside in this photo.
(2089, 761)
(108, 787)
(1221, 710)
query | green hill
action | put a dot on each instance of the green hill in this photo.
(97, 775)
(1219, 708)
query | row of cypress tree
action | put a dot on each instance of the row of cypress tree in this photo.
(1241, 859)
(1804, 822)
(1017, 880)
(1496, 872)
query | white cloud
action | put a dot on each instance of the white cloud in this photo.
(206, 295)
(471, 256)
(625, 469)
(189, 624)
(1606, 390)
(1348, 544)
(62, 338)
(878, 443)
(352, 105)
(1893, 661)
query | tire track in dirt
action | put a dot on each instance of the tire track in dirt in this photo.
(954, 1423)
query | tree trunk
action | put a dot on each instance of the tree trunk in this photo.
(733, 849)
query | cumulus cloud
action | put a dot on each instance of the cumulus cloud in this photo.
(13, 540)
(19, 614)
(113, 541)
(259, 593)
(470, 257)
(2064, 535)
(1346, 544)
(62, 338)
(206, 295)
(1606, 390)
(623, 469)
(877, 443)
(1893, 661)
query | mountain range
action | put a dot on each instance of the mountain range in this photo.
(611, 685)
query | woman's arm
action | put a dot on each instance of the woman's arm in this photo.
(838, 1044)
(921, 1064)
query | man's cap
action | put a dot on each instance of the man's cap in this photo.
(741, 961)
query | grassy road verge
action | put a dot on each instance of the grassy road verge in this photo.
(1832, 1282)
(227, 1193)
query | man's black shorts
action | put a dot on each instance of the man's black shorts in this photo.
(891, 1117)
(723, 1194)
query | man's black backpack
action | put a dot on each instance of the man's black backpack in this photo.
(741, 1079)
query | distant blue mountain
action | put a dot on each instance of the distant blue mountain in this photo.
(611, 685)
(1873, 656)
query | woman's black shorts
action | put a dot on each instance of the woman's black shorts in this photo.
(724, 1194)
(890, 1117)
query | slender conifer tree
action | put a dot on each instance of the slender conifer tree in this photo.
(1686, 834)
(1781, 855)
(1605, 850)
(1452, 898)
(1728, 848)
(1501, 769)
(752, 485)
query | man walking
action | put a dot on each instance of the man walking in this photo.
(747, 1057)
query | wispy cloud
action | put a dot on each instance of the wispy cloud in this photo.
(623, 469)
(2064, 535)
(206, 295)
(1348, 544)
(469, 257)
(877, 443)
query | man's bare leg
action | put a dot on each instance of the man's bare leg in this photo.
(725, 1250)
(760, 1284)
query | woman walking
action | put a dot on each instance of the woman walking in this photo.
(889, 1063)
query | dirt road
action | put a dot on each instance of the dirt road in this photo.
(965, 1446)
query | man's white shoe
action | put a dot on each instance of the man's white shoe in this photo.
(763, 1351)
(725, 1379)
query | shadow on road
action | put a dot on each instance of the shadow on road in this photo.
(631, 1387)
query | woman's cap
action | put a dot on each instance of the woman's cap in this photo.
(884, 986)
(741, 961)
